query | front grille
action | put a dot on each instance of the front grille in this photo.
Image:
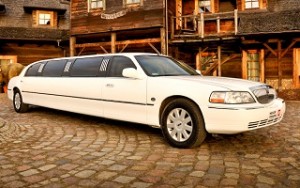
(273, 118)
(264, 94)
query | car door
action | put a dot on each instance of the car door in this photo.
(124, 98)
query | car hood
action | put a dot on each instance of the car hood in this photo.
(220, 82)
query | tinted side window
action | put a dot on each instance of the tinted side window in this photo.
(54, 68)
(86, 67)
(118, 64)
(34, 70)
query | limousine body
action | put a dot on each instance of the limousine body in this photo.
(149, 89)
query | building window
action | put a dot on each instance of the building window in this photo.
(251, 4)
(44, 19)
(204, 6)
(128, 2)
(96, 4)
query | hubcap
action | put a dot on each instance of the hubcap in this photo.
(179, 124)
(17, 101)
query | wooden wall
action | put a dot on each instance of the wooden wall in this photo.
(150, 14)
(28, 53)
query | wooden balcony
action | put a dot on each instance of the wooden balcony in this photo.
(205, 26)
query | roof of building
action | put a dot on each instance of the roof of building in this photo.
(17, 24)
(40, 34)
(269, 22)
(44, 5)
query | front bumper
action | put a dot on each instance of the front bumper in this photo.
(237, 120)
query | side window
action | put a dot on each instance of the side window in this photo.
(118, 64)
(54, 68)
(86, 67)
(35, 70)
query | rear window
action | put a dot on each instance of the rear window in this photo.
(54, 68)
(86, 67)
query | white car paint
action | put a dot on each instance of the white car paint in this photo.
(139, 99)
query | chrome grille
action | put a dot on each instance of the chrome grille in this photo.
(264, 94)
(273, 118)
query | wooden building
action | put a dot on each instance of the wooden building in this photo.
(250, 39)
(32, 30)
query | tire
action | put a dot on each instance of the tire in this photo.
(19, 106)
(183, 124)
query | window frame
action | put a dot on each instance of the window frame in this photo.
(133, 4)
(210, 5)
(251, 2)
(51, 20)
(90, 8)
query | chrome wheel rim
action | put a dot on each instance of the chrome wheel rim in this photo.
(17, 100)
(179, 124)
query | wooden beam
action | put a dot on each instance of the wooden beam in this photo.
(72, 46)
(219, 61)
(288, 48)
(244, 65)
(153, 47)
(262, 65)
(269, 48)
(279, 49)
(125, 46)
(102, 48)
(82, 49)
(198, 59)
(215, 64)
(124, 42)
(163, 44)
(296, 72)
(113, 42)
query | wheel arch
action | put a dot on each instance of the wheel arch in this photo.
(166, 101)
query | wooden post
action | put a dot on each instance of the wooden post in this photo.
(296, 72)
(163, 40)
(218, 25)
(244, 65)
(72, 46)
(235, 21)
(198, 60)
(113, 42)
(219, 61)
(279, 48)
(202, 25)
(173, 19)
(262, 65)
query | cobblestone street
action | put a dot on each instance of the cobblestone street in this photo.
(50, 148)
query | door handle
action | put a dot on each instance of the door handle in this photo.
(109, 85)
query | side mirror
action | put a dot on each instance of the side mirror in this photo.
(130, 73)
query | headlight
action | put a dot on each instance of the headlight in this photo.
(231, 97)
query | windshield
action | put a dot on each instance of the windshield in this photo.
(164, 66)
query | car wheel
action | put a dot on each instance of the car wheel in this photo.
(19, 106)
(182, 124)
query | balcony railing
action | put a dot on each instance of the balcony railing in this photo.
(205, 25)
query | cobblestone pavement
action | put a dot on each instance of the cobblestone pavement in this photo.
(49, 148)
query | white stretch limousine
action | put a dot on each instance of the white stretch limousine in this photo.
(149, 89)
